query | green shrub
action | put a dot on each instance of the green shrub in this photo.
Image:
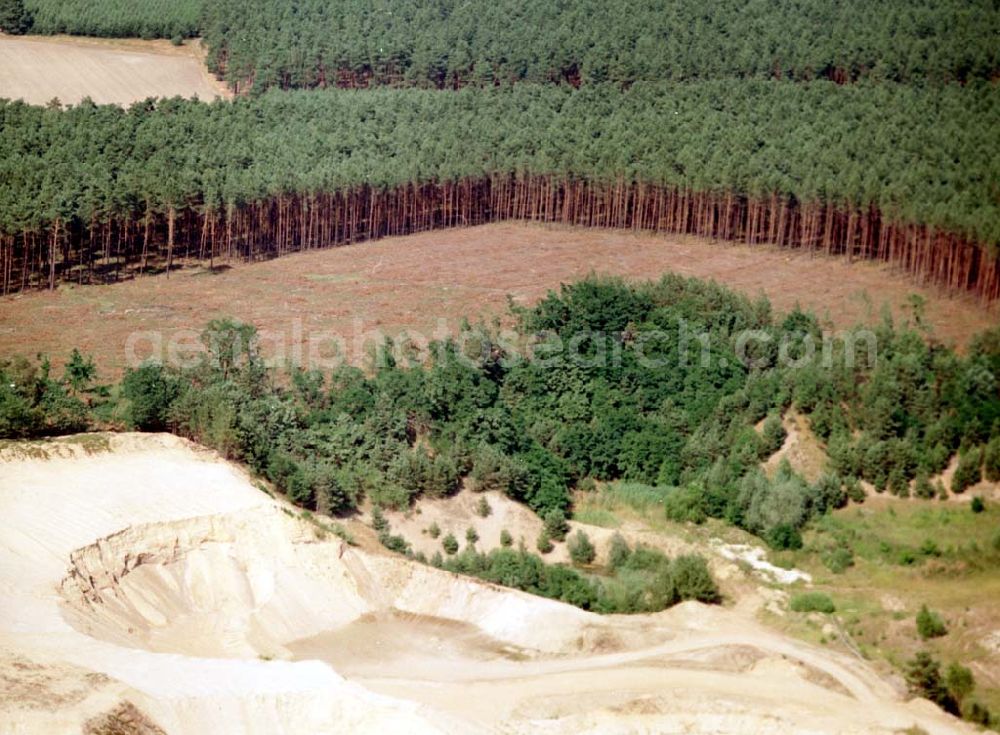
(923, 678)
(506, 540)
(394, 543)
(483, 508)
(969, 470)
(855, 490)
(379, 522)
(450, 544)
(618, 552)
(691, 579)
(960, 681)
(471, 535)
(978, 714)
(434, 530)
(930, 624)
(977, 505)
(334, 489)
(839, 560)
(580, 548)
(151, 390)
(991, 460)
(556, 525)
(784, 536)
(544, 543)
(923, 488)
(929, 547)
(828, 493)
(813, 602)
(773, 436)
(686, 504)
(906, 557)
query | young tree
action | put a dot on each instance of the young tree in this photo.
(506, 540)
(930, 624)
(923, 677)
(471, 535)
(450, 544)
(556, 526)
(379, 522)
(991, 460)
(773, 436)
(544, 543)
(581, 550)
(969, 470)
(151, 391)
(618, 552)
(79, 372)
(434, 530)
(692, 580)
(923, 488)
(960, 681)
(483, 508)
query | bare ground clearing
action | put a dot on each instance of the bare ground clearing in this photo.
(414, 282)
(109, 71)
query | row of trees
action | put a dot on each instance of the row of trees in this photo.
(451, 43)
(884, 171)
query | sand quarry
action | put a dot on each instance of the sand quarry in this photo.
(147, 586)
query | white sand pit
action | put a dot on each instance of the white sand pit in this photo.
(151, 585)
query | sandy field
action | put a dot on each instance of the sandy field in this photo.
(109, 71)
(333, 304)
(144, 580)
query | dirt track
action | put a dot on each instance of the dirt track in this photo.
(38, 69)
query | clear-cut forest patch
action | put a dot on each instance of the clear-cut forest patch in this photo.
(409, 283)
(38, 70)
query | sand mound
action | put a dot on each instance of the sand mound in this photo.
(150, 586)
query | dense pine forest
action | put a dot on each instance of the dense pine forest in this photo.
(899, 173)
(116, 18)
(757, 138)
(452, 43)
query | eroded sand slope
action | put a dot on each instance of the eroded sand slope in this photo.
(155, 574)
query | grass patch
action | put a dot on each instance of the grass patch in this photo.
(634, 495)
(908, 554)
(812, 602)
(597, 517)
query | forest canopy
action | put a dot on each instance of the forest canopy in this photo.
(451, 43)
(829, 161)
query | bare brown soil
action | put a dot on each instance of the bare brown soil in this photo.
(109, 71)
(419, 282)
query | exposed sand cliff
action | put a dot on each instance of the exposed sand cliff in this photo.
(153, 587)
